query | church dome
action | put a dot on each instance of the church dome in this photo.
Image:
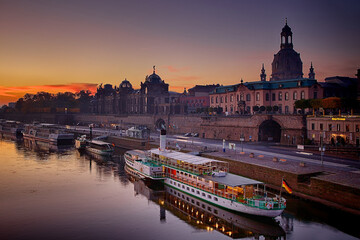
(125, 84)
(154, 78)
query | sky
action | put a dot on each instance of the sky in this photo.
(58, 45)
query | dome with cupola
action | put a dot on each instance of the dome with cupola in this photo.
(154, 78)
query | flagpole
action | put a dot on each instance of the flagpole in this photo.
(282, 179)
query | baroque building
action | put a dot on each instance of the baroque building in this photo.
(286, 85)
(153, 97)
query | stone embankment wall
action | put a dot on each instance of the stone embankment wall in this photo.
(215, 127)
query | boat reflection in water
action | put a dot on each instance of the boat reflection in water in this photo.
(202, 215)
(46, 147)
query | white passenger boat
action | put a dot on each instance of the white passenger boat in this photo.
(100, 148)
(11, 129)
(50, 133)
(210, 180)
(206, 179)
(81, 143)
(138, 164)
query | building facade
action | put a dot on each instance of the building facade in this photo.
(334, 130)
(286, 85)
(153, 97)
(196, 99)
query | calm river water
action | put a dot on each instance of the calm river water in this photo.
(49, 193)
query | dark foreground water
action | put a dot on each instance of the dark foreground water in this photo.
(49, 193)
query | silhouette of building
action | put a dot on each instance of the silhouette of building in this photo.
(153, 97)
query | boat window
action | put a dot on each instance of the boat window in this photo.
(192, 190)
(203, 194)
(178, 184)
(209, 196)
(203, 206)
(170, 182)
(209, 209)
(183, 186)
(192, 201)
(183, 196)
(197, 203)
(215, 211)
(215, 198)
(187, 199)
(187, 188)
(179, 194)
(197, 192)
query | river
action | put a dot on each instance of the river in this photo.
(57, 193)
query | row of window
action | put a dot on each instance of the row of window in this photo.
(193, 190)
(334, 127)
(257, 97)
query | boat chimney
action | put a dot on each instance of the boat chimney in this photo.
(162, 140)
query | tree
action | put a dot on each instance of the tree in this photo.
(331, 103)
(269, 109)
(315, 104)
(262, 108)
(275, 108)
(255, 108)
(302, 104)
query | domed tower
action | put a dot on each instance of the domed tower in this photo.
(125, 87)
(287, 63)
(154, 84)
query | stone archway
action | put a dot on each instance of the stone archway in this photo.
(160, 124)
(269, 131)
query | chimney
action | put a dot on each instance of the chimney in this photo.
(162, 140)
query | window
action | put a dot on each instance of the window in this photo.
(203, 194)
(192, 190)
(231, 98)
(183, 186)
(338, 127)
(274, 97)
(286, 96)
(295, 95)
(321, 126)
(221, 99)
(187, 188)
(357, 128)
(209, 196)
(215, 211)
(347, 127)
(286, 109)
(197, 192)
(225, 99)
(248, 97)
(313, 126)
(280, 96)
(330, 127)
(237, 97)
(257, 96)
(178, 184)
(242, 97)
(302, 95)
(315, 95)
(215, 198)
(267, 97)
(217, 100)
